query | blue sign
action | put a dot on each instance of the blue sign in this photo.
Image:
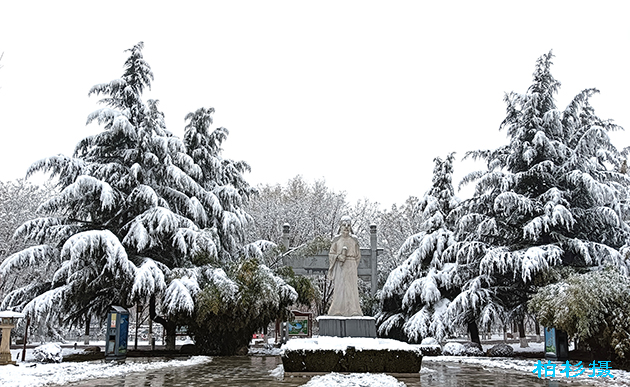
(550, 341)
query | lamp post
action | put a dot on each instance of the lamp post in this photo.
(7, 322)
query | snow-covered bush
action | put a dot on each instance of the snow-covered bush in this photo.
(593, 307)
(453, 348)
(430, 347)
(473, 349)
(48, 353)
(501, 350)
(234, 305)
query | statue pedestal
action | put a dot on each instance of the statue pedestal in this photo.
(340, 326)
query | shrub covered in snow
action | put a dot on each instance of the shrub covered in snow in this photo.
(473, 349)
(430, 347)
(453, 349)
(593, 307)
(501, 350)
(48, 353)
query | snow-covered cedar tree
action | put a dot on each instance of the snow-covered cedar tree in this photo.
(417, 293)
(554, 196)
(592, 307)
(141, 216)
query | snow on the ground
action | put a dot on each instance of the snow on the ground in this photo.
(48, 353)
(354, 380)
(278, 372)
(532, 347)
(33, 374)
(334, 379)
(265, 351)
(16, 354)
(621, 378)
(342, 343)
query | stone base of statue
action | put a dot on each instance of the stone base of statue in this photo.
(340, 326)
(325, 354)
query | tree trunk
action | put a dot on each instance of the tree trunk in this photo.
(28, 322)
(537, 327)
(266, 334)
(151, 338)
(169, 327)
(135, 341)
(86, 334)
(171, 332)
(521, 333)
(474, 332)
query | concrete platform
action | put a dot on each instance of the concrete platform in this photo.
(356, 326)
(334, 354)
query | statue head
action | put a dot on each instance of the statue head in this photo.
(345, 225)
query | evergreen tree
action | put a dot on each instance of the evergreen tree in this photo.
(553, 196)
(141, 215)
(417, 293)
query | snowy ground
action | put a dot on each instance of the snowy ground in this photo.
(32, 374)
(621, 378)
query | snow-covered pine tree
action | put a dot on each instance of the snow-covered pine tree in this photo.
(553, 196)
(417, 293)
(141, 215)
(222, 178)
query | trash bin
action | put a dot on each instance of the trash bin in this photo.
(117, 334)
(556, 344)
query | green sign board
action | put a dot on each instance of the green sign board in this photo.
(299, 327)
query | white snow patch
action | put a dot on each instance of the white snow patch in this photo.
(48, 353)
(454, 349)
(62, 373)
(354, 380)
(342, 343)
(264, 351)
(277, 372)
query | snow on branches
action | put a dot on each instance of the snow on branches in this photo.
(140, 214)
(30, 256)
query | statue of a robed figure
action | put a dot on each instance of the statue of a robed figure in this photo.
(344, 257)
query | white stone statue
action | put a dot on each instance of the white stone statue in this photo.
(343, 259)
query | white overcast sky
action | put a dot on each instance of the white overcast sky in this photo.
(362, 94)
